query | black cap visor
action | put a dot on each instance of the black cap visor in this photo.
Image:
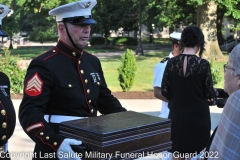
(80, 20)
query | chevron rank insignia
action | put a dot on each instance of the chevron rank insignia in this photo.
(34, 86)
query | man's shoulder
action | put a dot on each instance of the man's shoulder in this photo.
(46, 55)
(233, 101)
(165, 59)
(90, 57)
(235, 95)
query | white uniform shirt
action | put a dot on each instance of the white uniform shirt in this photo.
(157, 81)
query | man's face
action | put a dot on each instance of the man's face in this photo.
(79, 34)
(230, 81)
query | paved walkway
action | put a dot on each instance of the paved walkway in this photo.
(22, 146)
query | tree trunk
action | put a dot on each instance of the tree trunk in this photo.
(106, 35)
(220, 15)
(11, 45)
(135, 34)
(151, 35)
(207, 21)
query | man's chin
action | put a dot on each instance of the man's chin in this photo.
(82, 45)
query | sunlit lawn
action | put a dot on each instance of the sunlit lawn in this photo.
(31, 52)
(144, 74)
(145, 65)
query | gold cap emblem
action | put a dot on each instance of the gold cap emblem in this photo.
(88, 4)
(1, 10)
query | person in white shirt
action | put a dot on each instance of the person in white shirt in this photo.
(159, 70)
(158, 74)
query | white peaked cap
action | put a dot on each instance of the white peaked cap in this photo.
(176, 35)
(74, 9)
(3, 12)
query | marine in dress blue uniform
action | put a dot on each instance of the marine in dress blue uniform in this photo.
(64, 82)
(7, 112)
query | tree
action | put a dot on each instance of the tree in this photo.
(177, 11)
(165, 13)
(39, 34)
(110, 16)
(32, 17)
(206, 20)
(10, 23)
(221, 10)
(234, 21)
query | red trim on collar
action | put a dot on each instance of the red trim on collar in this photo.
(68, 46)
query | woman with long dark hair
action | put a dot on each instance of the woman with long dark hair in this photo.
(188, 85)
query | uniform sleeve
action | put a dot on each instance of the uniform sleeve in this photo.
(37, 85)
(158, 74)
(107, 103)
(5, 83)
(165, 86)
(210, 93)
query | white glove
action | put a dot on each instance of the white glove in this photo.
(65, 151)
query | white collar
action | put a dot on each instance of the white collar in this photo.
(170, 55)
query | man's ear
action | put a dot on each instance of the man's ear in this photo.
(60, 27)
(175, 47)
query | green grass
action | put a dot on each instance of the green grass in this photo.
(145, 65)
(28, 52)
(144, 74)
(31, 52)
(102, 50)
(161, 41)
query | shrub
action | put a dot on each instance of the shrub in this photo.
(97, 41)
(215, 74)
(124, 41)
(127, 70)
(10, 68)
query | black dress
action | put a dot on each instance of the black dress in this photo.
(189, 96)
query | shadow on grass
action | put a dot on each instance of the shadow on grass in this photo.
(147, 55)
(152, 54)
(112, 59)
(29, 52)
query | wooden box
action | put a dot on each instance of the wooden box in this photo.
(121, 133)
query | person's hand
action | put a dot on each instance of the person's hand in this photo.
(65, 149)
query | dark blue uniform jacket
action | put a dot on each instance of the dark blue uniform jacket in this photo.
(7, 115)
(62, 81)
